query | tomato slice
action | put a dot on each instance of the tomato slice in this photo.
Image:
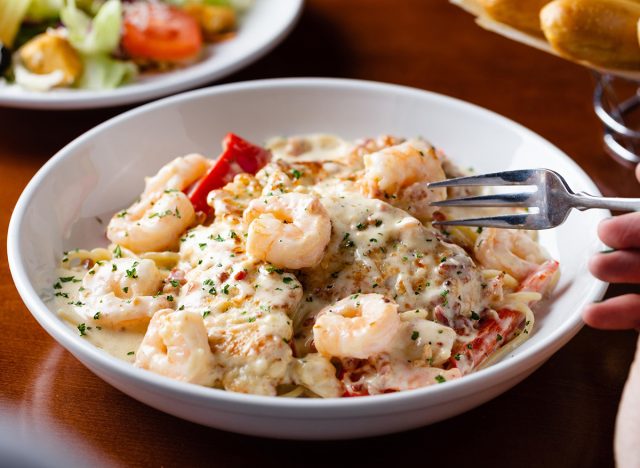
(238, 156)
(160, 32)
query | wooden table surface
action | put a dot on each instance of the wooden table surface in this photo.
(563, 415)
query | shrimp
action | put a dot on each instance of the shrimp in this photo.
(359, 326)
(512, 251)
(157, 220)
(176, 346)
(290, 230)
(178, 174)
(123, 292)
(400, 174)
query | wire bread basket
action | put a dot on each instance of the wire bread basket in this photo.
(616, 98)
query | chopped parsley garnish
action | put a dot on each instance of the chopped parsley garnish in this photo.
(296, 174)
(66, 279)
(82, 329)
(415, 335)
(174, 283)
(126, 289)
(440, 379)
(378, 222)
(57, 286)
(499, 337)
(479, 230)
(114, 267)
(232, 235)
(117, 252)
(225, 289)
(132, 273)
(360, 226)
(457, 357)
(202, 245)
(251, 319)
(205, 313)
(474, 316)
(287, 279)
(170, 298)
(96, 316)
(218, 238)
(272, 269)
(131, 353)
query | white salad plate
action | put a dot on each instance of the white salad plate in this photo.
(102, 171)
(261, 28)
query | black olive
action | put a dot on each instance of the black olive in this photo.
(5, 58)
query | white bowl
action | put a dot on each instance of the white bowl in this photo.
(262, 28)
(102, 171)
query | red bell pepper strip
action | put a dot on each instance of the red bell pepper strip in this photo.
(492, 334)
(238, 156)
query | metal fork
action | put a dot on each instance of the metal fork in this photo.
(553, 198)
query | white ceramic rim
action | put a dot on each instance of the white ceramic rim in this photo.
(157, 88)
(198, 394)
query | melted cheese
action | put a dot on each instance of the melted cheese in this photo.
(259, 318)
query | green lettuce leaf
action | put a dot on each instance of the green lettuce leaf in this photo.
(98, 36)
(104, 72)
(40, 10)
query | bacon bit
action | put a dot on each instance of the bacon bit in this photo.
(440, 317)
(439, 216)
(239, 276)
(177, 275)
(224, 276)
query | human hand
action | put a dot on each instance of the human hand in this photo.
(621, 264)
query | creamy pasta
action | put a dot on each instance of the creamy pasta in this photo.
(321, 275)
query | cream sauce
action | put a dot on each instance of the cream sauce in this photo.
(259, 318)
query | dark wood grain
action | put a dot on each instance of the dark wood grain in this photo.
(563, 415)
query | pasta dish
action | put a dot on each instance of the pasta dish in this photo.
(307, 268)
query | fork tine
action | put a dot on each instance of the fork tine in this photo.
(504, 199)
(519, 221)
(519, 177)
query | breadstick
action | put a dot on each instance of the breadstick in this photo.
(602, 32)
(521, 14)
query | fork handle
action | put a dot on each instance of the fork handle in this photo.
(584, 201)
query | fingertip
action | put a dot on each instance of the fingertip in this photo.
(594, 265)
(603, 228)
(617, 313)
(638, 172)
(590, 315)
